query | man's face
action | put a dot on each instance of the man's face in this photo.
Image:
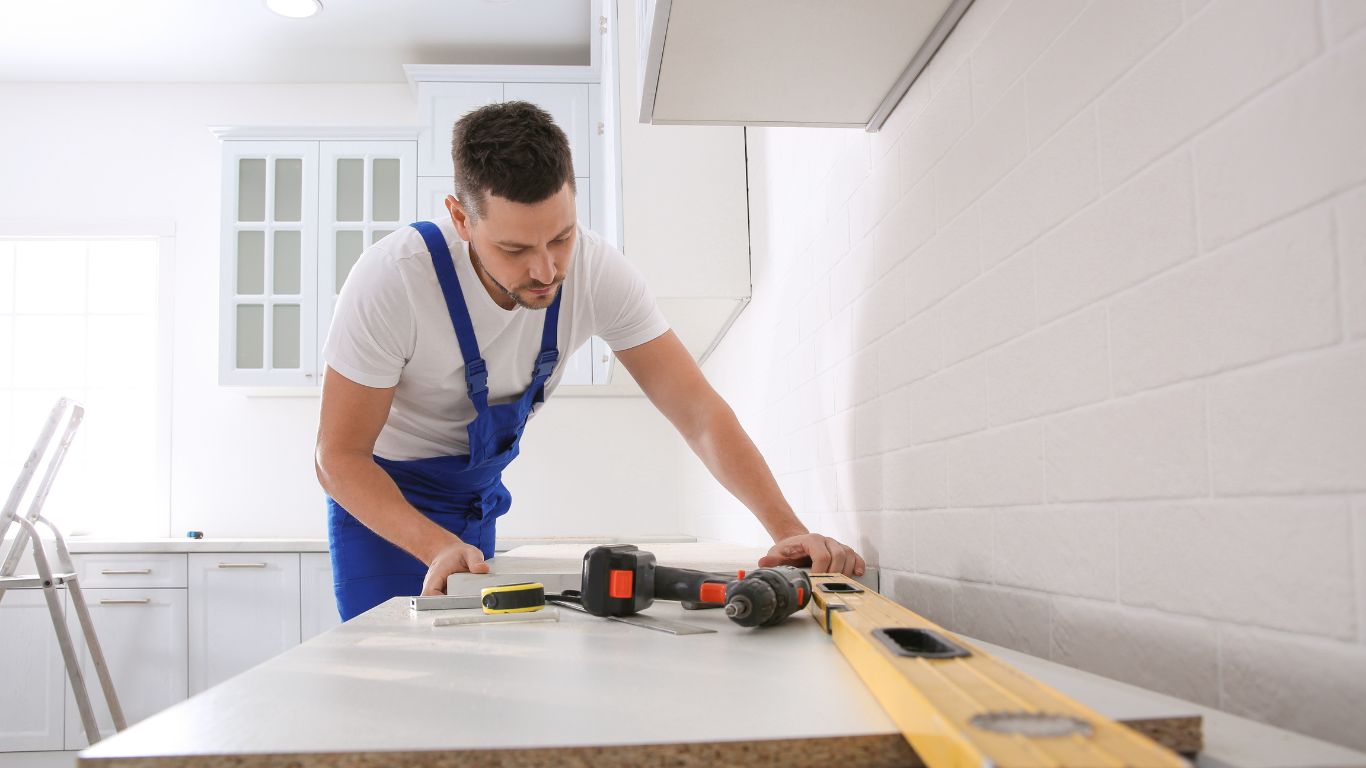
(521, 252)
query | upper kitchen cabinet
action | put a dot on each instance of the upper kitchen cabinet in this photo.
(785, 62)
(299, 207)
(368, 189)
(572, 97)
(301, 204)
(569, 94)
(439, 105)
(267, 301)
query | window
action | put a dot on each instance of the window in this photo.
(79, 318)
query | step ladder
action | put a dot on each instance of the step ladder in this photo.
(27, 539)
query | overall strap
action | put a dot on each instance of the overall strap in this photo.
(550, 349)
(476, 372)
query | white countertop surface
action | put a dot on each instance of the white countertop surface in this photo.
(390, 680)
(94, 544)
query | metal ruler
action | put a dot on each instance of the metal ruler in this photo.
(449, 602)
(644, 622)
(958, 706)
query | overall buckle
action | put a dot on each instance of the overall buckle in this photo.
(477, 377)
(545, 363)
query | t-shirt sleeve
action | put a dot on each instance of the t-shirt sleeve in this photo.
(373, 332)
(624, 310)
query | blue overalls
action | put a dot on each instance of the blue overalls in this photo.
(463, 494)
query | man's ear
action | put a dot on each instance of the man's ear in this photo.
(460, 216)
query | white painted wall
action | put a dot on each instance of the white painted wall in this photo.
(1075, 349)
(242, 466)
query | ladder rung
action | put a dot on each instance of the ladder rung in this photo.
(32, 581)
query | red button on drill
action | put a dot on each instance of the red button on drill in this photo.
(622, 584)
(712, 593)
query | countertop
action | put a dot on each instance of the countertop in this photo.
(390, 688)
(96, 544)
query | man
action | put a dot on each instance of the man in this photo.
(447, 336)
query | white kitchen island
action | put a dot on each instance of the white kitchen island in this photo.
(389, 688)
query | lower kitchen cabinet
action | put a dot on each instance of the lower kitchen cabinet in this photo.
(317, 600)
(170, 625)
(245, 609)
(32, 673)
(142, 633)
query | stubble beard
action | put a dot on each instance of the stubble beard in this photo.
(529, 302)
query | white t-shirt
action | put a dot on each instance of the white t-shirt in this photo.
(391, 328)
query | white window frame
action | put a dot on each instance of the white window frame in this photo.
(163, 231)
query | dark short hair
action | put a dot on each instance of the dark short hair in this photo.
(513, 150)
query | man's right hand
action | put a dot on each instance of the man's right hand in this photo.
(457, 557)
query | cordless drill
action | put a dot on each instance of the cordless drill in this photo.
(623, 579)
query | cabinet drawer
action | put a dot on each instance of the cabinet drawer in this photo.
(98, 571)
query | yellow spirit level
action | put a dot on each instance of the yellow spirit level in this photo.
(958, 706)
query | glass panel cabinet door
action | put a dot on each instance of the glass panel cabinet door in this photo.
(367, 190)
(269, 263)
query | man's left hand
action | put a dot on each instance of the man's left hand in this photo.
(821, 553)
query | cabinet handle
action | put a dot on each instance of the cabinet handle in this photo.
(143, 601)
(242, 565)
(128, 572)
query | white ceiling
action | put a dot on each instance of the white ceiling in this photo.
(351, 41)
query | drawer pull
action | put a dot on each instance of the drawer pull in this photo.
(242, 565)
(128, 572)
(143, 601)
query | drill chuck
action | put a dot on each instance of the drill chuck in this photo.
(765, 597)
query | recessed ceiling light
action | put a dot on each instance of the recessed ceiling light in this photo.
(295, 9)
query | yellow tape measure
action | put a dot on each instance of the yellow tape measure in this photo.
(513, 598)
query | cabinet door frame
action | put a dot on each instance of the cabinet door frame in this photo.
(306, 300)
(317, 596)
(246, 606)
(571, 107)
(43, 654)
(329, 153)
(169, 676)
(434, 139)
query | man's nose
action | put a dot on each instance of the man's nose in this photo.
(543, 267)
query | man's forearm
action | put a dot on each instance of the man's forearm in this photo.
(358, 484)
(733, 459)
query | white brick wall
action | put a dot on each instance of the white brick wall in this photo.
(1269, 294)
(1297, 682)
(1075, 349)
(1210, 65)
(1351, 225)
(1278, 562)
(1293, 145)
(1359, 560)
(1291, 427)
(997, 468)
(1144, 447)
(1066, 550)
(1163, 652)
